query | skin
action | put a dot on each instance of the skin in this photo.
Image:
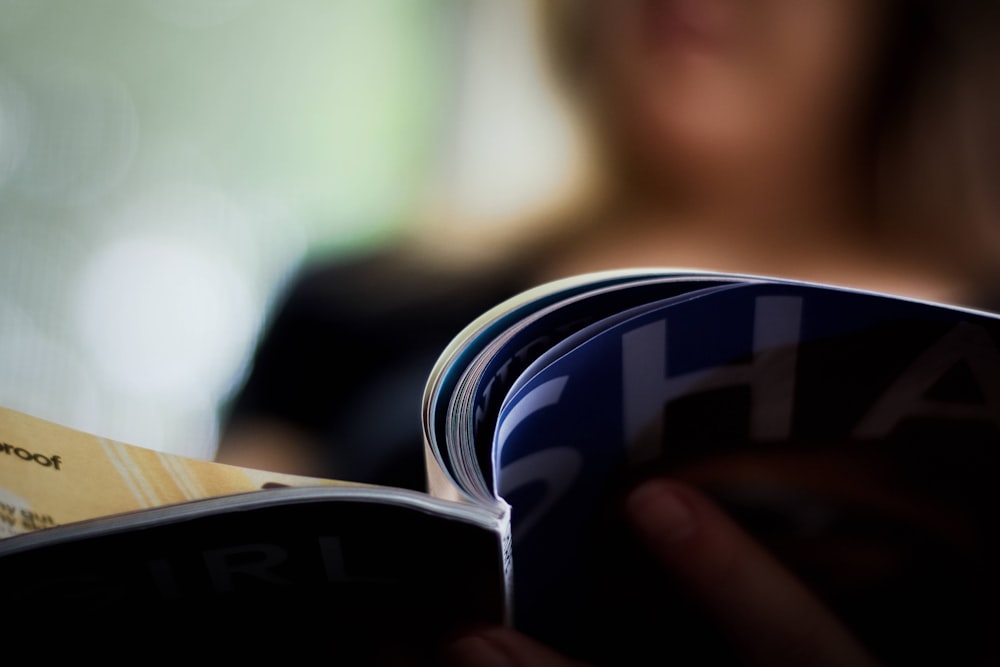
(731, 135)
(740, 92)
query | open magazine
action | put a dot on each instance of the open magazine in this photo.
(857, 435)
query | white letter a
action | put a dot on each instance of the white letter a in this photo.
(908, 395)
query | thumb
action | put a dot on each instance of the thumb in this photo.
(771, 616)
(498, 646)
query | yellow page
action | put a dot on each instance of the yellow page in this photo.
(51, 474)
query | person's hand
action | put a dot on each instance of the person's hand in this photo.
(769, 615)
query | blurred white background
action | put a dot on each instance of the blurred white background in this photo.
(166, 164)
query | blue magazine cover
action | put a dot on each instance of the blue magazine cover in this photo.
(832, 422)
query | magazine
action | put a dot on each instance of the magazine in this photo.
(855, 434)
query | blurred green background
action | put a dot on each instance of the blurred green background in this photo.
(165, 165)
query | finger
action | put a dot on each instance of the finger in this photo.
(771, 617)
(501, 647)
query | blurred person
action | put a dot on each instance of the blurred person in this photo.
(849, 142)
(843, 141)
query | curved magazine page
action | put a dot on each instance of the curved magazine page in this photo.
(453, 360)
(476, 399)
(856, 435)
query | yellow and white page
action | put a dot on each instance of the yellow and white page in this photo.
(51, 475)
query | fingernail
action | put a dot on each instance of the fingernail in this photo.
(656, 510)
(475, 651)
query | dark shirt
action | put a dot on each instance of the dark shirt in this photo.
(348, 350)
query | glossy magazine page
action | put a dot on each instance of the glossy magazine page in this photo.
(52, 475)
(857, 435)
